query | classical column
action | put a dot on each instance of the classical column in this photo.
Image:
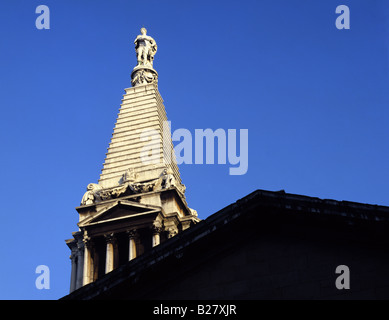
(109, 257)
(73, 278)
(156, 231)
(80, 263)
(131, 244)
(88, 262)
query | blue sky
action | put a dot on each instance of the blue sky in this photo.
(313, 98)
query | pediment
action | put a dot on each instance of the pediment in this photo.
(119, 210)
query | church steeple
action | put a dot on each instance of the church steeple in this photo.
(139, 200)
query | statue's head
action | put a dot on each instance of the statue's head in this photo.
(143, 31)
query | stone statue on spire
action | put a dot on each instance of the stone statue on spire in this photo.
(145, 48)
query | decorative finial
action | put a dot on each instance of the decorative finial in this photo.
(145, 48)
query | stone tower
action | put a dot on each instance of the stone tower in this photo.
(139, 200)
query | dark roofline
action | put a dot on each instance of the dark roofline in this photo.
(256, 203)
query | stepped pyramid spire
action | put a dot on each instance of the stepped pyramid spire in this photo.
(141, 141)
(139, 200)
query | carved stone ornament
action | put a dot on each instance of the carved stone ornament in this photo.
(127, 185)
(166, 179)
(132, 233)
(129, 176)
(193, 212)
(126, 188)
(88, 241)
(156, 228)
(143, 76)
(92, 194)
(171, 232)
(110, 238)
